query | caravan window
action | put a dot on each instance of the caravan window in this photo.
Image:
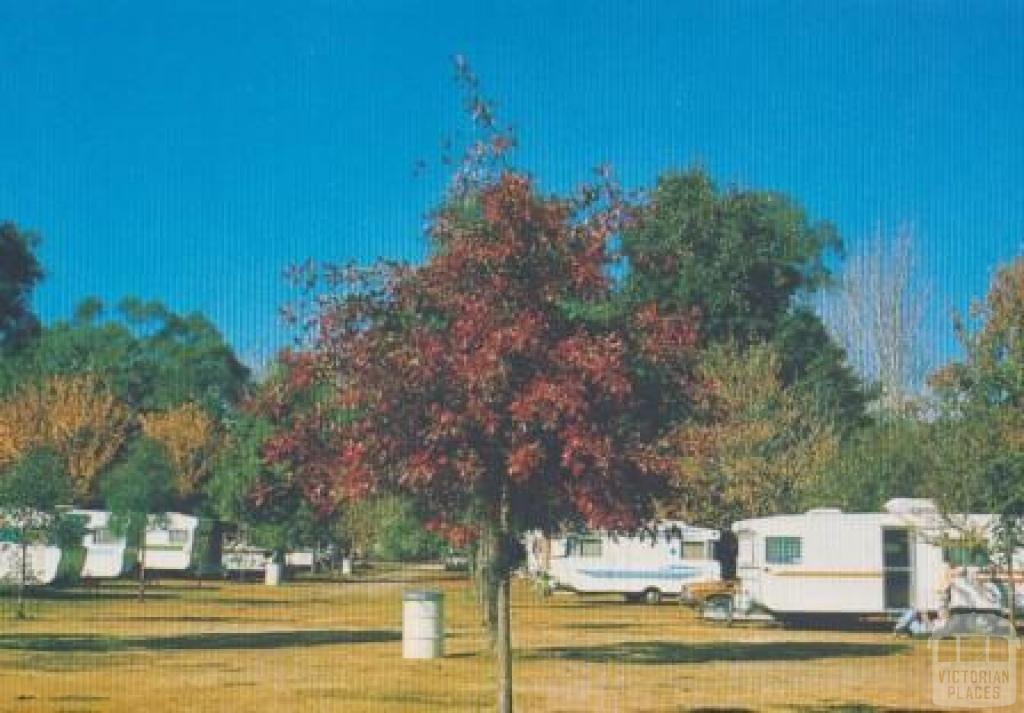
(590, 547)
(695, 551)
(104, 536)
(783, 550)
(177, 537)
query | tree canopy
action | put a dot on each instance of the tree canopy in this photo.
(745, 261)
(20, 272)
(152, 358)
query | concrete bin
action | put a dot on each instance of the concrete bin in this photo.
(422, 624)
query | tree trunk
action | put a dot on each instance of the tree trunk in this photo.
(487, 567)
(24, 574)
(500, 577)
(504, 645)
(142, 566)
(1011, 546)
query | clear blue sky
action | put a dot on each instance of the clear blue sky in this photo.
(188, 151)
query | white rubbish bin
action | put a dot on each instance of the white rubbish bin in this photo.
(346, 566)
(422, 625)
(272, 574)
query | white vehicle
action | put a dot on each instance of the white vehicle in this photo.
(240, 558)
(829, 563)
(36, 564)
(104, 551)
(304, 559)
(33, 563)
(171, 541)
(648, 564)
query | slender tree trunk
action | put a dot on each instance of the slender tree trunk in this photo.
(504, 645)
(24, 574)
(500, 572)
(480, 564)
(1011, 546)
(142, 566)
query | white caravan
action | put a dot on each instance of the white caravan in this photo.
(170, 544)
(37, 563)
(33, 563)
(829, 563)
(649, 564)
(240, 558)
(104, 551)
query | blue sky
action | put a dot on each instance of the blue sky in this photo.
(188, 151)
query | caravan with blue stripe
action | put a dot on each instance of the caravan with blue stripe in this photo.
(648, 564)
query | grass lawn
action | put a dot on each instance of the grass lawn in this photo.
(318, 645)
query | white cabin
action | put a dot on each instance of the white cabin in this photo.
(827, 562)
(650, 563)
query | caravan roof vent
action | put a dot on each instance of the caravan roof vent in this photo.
(911, 506)
(825, 511)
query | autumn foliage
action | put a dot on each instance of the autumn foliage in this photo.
(77, 416)
(466, 381)
(755, 448)
(191, 439)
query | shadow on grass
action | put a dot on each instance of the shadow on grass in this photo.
(597, 626)
(242, 602)
(191, 642)
(93, 595)
(855, 708)
(172, 619)
(671, 652)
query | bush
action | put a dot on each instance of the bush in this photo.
(69, 571)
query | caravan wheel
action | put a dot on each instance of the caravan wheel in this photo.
(652, 596)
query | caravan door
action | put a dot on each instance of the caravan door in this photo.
(897, 568)
(748, 568)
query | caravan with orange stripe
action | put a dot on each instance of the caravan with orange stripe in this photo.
(828, 563)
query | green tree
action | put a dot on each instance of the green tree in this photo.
(892, 457)
(740, 257)
(260, 497)
(137, 491)
(389, 527)
(744, 260)
(982, 463)
(30, 491)
(816, 367)
(189, 358)
(20, 272)
(152, 358)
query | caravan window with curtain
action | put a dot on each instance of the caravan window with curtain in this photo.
(783, 550)
(590, 547)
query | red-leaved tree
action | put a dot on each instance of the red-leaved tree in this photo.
(493, 382)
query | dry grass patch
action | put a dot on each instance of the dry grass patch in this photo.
(319, 645)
